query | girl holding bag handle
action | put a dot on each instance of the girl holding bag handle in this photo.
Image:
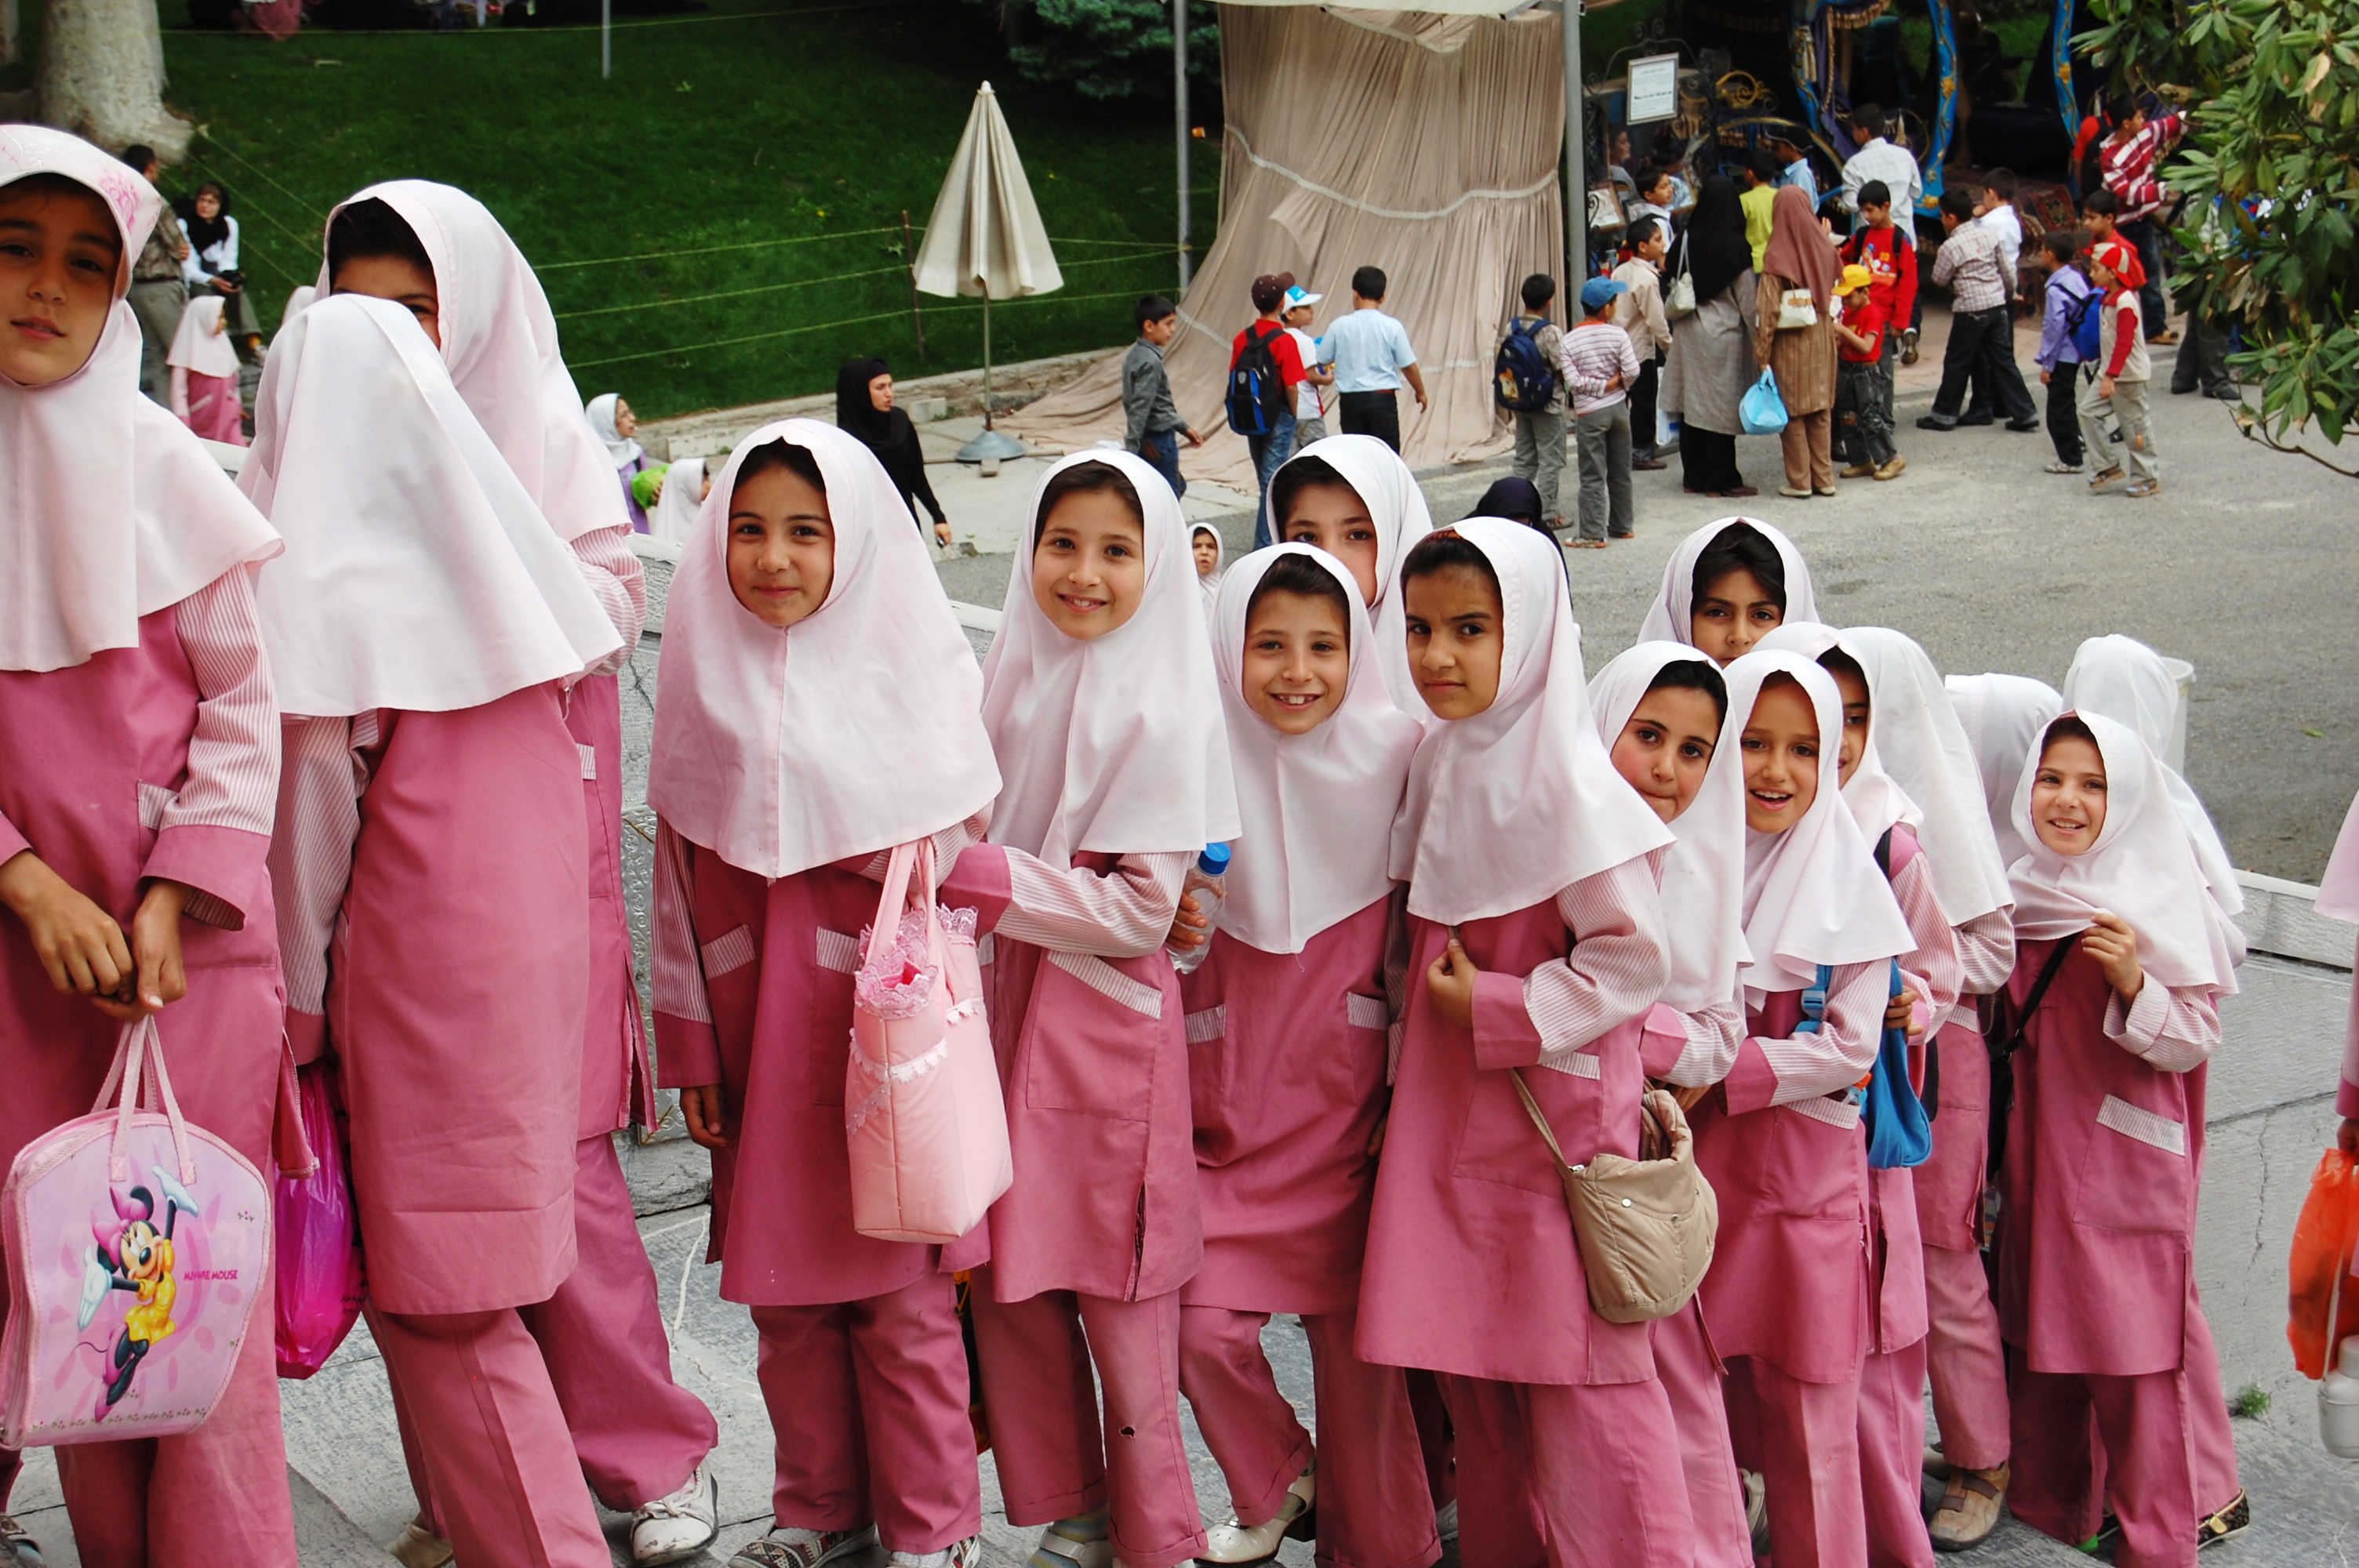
(806, 607)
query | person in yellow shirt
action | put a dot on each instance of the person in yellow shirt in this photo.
(1761, 172)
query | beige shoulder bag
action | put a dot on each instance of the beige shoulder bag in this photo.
(1645, 1226)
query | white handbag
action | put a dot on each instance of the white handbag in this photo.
(1680, 298)
(1796, 309)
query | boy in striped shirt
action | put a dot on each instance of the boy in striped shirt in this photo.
(1599, 368)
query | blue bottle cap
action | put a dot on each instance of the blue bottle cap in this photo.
(1214, 860)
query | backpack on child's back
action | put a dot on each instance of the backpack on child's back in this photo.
(1256, 387)
(1522, 379)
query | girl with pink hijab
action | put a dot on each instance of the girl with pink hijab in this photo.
(2338, 899)
(441, 256)
(806, 605)
(424, 627)
(1537, 943)
(204, 374)
(1105, 718)
(1286, 1023)
(137, 767)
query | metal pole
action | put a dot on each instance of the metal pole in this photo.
(606, 38)
(909, 260)
(1180, 100)
(986, 356)
(1576, 174)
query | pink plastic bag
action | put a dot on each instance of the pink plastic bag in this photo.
(136, 1244)
(926, 1125)
(321, 1284)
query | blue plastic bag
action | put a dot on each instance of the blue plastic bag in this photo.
(1763, 412)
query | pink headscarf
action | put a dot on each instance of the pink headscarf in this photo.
(1800, 251)
(499, 338)
(856, 729)
(116, 510)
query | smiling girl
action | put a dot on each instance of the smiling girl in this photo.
(1727, 585)
(1780, 1139)
(2104, 1152)
(1286, 1023)
(806, 606)
(137, 766)
(1353, 497)
(1537, 941)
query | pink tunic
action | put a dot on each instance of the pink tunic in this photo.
(214, 411)
(616, 1086)
(1286, 1064)
(771, 965)
(1472, 1268)
(1897, 1259)
(458, 977)
(2104, 1152)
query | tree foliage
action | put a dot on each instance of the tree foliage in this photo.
(2270, 168)
(1114, 49)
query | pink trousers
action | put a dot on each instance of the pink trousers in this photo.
(1055, 1460)
(1804, 1439)
(639, 1435)
(1433, 1437)
(1691, 1381)
(1892, 1457)
(214, 1495)
(1374, 1508)
(1568, 1476)
(868, 1402)
(2142, 1460)
(486, 1440)
(1963, 1356)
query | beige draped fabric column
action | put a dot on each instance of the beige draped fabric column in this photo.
(1423, 144)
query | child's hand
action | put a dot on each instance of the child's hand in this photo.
(2113, 944)
(155, 952)
(1189, 928)
(1376, 1138)
(700, 1108)
(2046, 376)
(1689, 1095)
(943, 531)
(2346, 1137)
(2104, 386)
(1450, 979)
(1193, 439)
(1901, 1012)
(78, 943)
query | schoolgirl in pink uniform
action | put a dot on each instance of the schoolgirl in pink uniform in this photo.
(1353, 497)
(1537, 942)
(1662, 711)
(2104, 1152)
(1727, 585)
(1105, 718)
(204, 374)
(1780, 1140)
(433, 908)
(2338, 899)
(139, 763)
(439, 253)
(1287, 1056)
(806, 606)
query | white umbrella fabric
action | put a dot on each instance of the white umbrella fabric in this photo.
(986, 238)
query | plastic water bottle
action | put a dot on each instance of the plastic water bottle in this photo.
(2338, 1404)
(1208, 880)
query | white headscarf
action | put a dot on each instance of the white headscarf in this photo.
(1397, 507)
(2142, 867)
(1318, 808)
(2128, 681)
(116, 510)
(1876, 800)
(499, 340)
(302, 295)
(1115, 745)
(856, 729)
(2338, 889)
(417, 574)
(1211, 585)
(2001, 714)
(1812, 893)
(200, 345)
(1508, 809)
(621, 451)
(1703, 873)
(1669, 619)
(682, 502)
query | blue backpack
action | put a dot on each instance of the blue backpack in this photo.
(2084, 321)
(1521, 377)
(1256, 387)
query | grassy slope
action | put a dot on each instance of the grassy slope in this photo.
(712, 131)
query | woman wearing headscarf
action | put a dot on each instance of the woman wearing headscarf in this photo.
(1801, 260)
(1711, 347)
(863, 406)
(212, 263)
(616, 426)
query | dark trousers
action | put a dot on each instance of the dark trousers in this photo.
(1643, 420)
(2063, 420)
(2202, 357)
(1860, 417)
(1161, 447)
(1984, 339)
(1708, 460)
(2153, 305)
(1374, 413)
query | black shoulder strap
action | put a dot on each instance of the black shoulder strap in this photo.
(1884, 854)
(2038, 992)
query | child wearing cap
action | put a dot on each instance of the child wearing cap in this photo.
(1859, 378)
(1599, 368)
(2115, 383)
(1309, 407)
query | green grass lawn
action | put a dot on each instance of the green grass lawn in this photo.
(655, 204)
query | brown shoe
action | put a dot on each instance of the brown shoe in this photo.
(1895, 469)
(1970, 1509)
(1859, 470)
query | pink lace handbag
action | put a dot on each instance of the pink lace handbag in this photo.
(927, 1128)
(138, 1248)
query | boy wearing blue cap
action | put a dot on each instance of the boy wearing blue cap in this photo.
(1310, 406)
(1599, 368)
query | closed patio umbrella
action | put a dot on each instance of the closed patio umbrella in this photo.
(986, 238)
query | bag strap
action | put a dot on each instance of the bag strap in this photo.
(1532, 1109)
(894, 898)
(1814, 1002)
(2039, 993)
(141, 1044)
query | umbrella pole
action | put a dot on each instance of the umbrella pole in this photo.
(989, 445)
(986, 356)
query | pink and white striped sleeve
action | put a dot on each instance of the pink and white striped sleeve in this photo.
(1933, 965)
(1985, 960)
(615, 574)
(1709, 1039)
(2174, 1029)
(213, 833)
(1613, 971)
(1772, 1070)
(319, 789)
(1125, 912)
(677, 968)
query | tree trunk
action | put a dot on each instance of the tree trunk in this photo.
(102, 76)
(10, 38)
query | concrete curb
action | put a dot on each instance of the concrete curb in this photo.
(2282, 918)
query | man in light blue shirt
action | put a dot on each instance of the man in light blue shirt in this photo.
(1372, 360)
(1796, 171)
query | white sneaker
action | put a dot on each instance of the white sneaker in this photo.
(1296, 1517)
(792, 1546)
(964, 1553)
(17, 1547)
(1445, 1520)
(676, 1528)
(1060, 1548)
(418, 1547)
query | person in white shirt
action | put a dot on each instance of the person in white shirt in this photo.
(1995, 211)
(1309, 412)
(1878, 158)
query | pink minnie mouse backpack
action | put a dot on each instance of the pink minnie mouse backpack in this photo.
(137, 1249)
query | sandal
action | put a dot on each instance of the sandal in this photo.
(1970, 1509)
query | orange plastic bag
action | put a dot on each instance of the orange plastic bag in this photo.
(2321, 1282)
